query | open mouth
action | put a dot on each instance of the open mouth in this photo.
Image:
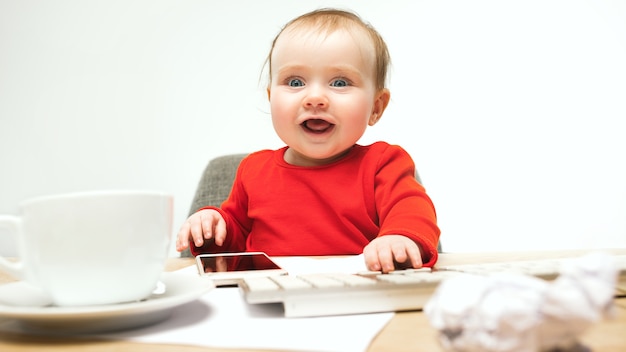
(317, 125)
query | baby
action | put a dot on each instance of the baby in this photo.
(324, 194)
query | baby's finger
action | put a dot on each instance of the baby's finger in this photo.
(385, 257)
(207, 226)
(219, 231)
(408, 257)
(371, 258)
(415, 256)
(182, 238)
(400, 254)
(195, 226)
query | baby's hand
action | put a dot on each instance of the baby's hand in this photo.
(204, 225)
(387, 253)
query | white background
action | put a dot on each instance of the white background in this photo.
(514, 111)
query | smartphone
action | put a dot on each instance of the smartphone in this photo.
(227, 269)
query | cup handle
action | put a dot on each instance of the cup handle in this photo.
(13, 268)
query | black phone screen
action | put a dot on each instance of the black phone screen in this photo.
(237, 262)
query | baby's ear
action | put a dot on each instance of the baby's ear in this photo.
(380, 104)
(373, 119)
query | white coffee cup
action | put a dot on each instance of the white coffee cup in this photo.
(92, 248)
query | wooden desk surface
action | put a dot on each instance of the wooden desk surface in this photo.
(407, 331)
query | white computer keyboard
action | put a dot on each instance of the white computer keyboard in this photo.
(404, 290)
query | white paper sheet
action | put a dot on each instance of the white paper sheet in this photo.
(221, 318)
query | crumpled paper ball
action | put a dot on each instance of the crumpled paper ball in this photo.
(509, 312)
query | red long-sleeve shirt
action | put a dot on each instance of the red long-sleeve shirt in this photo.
(334, 209)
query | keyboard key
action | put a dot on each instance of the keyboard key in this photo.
(322, 281)
(261, 284)
(288, 282)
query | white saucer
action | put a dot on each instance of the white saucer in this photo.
(179, 289)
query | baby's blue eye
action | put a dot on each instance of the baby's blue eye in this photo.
(339, 83)
(295, 82)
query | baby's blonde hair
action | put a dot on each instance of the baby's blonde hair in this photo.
(330, 20)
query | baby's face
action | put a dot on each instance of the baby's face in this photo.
(322, 94)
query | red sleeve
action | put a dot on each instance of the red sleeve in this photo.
(404, 208)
